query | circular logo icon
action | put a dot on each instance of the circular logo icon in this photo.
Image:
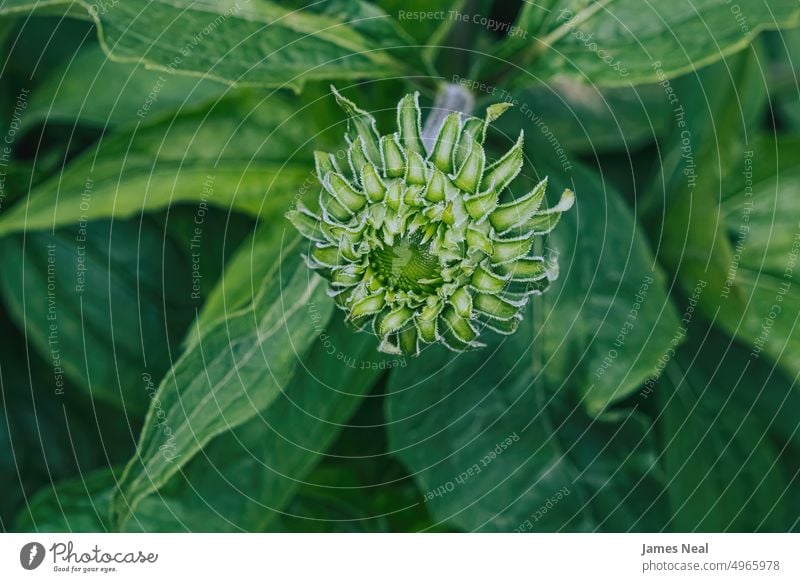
(31, 555)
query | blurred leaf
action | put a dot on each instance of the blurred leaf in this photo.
(77, 505)
(589, 120)
(723, 471)
(247, 153)
(494, 447)
(338, 502)
(259, 43)
(37, 45)
(40, 440)
(784, 76)
(774, 213)
(95, 302)
(81, 505)
(358, 486)
(766, 249)
(711, 107)
(731, 218)
(623, 42)
(253, 353)
(92, 89)
(430, 33)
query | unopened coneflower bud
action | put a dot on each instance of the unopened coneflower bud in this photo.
(420, 247)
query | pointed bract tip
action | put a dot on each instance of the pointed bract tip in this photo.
(494, 111)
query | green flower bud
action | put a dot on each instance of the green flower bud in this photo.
(417, 245)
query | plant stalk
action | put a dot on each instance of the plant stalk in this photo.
(450, 98)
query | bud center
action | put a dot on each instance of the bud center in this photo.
(404, 266)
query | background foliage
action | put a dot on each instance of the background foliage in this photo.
(170, 364)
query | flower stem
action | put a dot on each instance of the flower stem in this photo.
(450, 98)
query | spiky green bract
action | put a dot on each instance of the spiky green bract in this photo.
(417, 245)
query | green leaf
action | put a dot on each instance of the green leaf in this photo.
(92, 89)
(246, 152)
(431, 33)
(359, 486)
(494, 447)
(764, 250)
(733, 222)
(724, 471)
(243, 276)
(280, 445)
(773, 210)
(235, 371)
(245, 478)
(608, 319)
(95, 303)
(535, 19)
(623, 42)
(82, 504)
(340, 502)
(783, 74)
(77, 505)
(254, 43)
(43, 435)
(277, 447)
(589, 119)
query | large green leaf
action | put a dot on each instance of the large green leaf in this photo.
(494, 447)
(608, 320)
(772, 206)
(600, 332)
(623, 42)
(236, 370)
(248, 152)
(245, 478)
(256, 43)
(95, 302)
(221, 490)
(244, 274)
(92, 89)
